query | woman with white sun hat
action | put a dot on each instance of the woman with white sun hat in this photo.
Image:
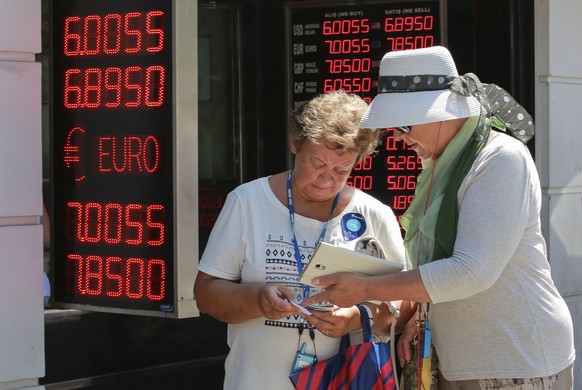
(473, 232)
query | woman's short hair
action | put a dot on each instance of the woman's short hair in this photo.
(334, 117)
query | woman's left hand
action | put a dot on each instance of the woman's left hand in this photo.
(404, 346)
(335, 323)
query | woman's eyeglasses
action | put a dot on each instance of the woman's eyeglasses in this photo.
(403, 129)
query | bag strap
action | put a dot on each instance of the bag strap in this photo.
(367, 332)
(365, 319)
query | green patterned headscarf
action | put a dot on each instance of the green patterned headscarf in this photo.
(431, 219)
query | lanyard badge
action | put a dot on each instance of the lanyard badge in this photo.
(302, 358)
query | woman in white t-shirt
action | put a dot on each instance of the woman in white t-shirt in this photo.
(266, 233)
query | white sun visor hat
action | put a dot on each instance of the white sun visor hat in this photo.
(413, 88)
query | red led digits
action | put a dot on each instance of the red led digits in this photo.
(72, 92)
(403, 166)
(341, 48)
(393, 144)
(401, 202)
(409, 23)
(113, 277)
(114, 111)
(346, 26)
(156, 279)
(154, 31)
(134, 224)
(401, 182)
(210, 201)
(399, 162)
(364, 182)
(93, 278)
(348, 46)
(156, 231)
(132, 32)
(406, 43)
(364, 165)
(154, 86)
(134, 277)
(71, 36)
(92, 93)
(112, 223)
(355, 84)
(349, 65)
(92, 43)
(115, 224)
(91, 228)
(112, 34)
(112, 87)
(205, 202)
(131, 87)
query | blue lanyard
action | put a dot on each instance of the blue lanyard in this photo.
(292, 219)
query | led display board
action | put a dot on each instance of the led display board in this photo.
(339, 46)
(117, 185)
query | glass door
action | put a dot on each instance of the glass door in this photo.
(219, 124)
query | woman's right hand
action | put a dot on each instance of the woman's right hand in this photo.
(274, 301)
(234, 303)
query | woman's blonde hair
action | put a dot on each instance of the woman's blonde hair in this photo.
(334, 117)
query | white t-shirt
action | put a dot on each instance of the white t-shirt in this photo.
(496, 312)
(252, 242)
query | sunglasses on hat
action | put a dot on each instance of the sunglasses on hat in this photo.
(403, 129)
